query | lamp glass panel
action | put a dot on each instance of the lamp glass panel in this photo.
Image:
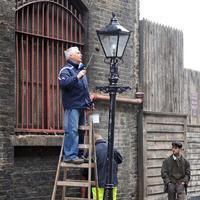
(122, 44)
(109, 43)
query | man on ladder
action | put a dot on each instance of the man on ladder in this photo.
(75, 98)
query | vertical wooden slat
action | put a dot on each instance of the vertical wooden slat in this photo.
(66, 25)
(27, 69)
(38, 68)
(17, 81)
(57, 21)
(71, 24)
(17, 69)
(22, 81)
(58, 90)
(42, 74)
(53, 21)
(62, 22)
(62, 36)
(75, 27)
(48, 81)
(79, 29)
(53, 71)
(22, 74)
(32, 69)
(37, 84)
(53, 85)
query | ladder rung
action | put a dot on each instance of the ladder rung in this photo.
(71, 165)
(83, 146)
(84, 127)
(74, 183)
(75, 198)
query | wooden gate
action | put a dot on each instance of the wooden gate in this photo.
(159, 130)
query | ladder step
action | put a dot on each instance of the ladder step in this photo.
(84, 127)
(71, 165)
(84, 146)
(75, 198)
(74, 183)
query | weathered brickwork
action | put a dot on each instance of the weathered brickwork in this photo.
(34, 168)
(126, 143)
(98, 16)
(7, 100)
(125, 129)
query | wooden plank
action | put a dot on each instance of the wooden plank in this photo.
(162, 196)
(74, 183)
(167, 137)
(155, 189)
(164, 127)
(75, 198)
(71, 165)
(154, 181)
(84, 127)
(84, 146)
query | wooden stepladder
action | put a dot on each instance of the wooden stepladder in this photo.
(67, 168)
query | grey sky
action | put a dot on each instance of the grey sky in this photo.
(180, 14)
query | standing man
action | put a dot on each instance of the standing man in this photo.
(176, 173)
(101, 157)
(75, 98)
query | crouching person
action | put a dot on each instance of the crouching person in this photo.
(101, 155)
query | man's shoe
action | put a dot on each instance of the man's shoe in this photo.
(77, 160)
(86, 160)
(67, 160)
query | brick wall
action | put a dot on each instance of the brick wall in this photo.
(99, 15)
(7, 100)
(35, 167)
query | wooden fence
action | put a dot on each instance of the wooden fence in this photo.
(193, 155)
(161, 67)
(171, 108)
(159, 130)
(192, 96)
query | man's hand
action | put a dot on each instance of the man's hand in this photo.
(92, 97)
(81, 74)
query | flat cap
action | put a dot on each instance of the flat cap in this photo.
(177, 144)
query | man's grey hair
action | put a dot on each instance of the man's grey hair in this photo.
(69, 51)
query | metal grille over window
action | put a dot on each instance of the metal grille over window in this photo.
(44, 29)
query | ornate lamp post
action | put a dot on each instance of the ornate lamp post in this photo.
(113, 39)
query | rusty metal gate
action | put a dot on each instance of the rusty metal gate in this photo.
(44, 29)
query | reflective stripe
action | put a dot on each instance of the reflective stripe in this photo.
(101, 193)
(67, 67)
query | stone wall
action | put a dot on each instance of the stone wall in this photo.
(34, 167)
(7, 98)
(34, 172)
(99, 15)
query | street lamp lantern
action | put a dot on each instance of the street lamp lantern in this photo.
(113, 38)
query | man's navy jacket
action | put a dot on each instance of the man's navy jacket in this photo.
(75, 93)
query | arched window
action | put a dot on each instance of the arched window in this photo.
(44, 29)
